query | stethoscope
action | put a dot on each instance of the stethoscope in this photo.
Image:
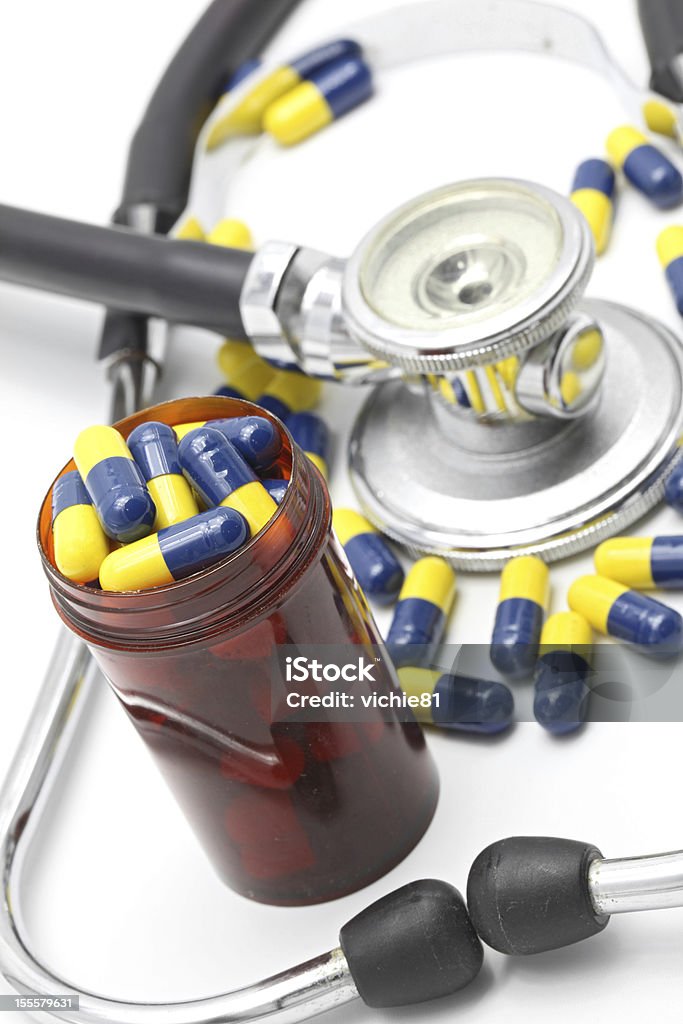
(525, 895)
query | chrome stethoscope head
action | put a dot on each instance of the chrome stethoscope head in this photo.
(509, 416)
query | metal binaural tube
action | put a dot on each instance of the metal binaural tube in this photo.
(628, 884)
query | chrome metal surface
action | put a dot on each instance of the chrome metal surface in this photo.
(468, 274)
(257, 301)
(476, 493)
(637, 883)
(562, 376)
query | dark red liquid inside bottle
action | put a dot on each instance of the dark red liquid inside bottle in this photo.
(289, 812)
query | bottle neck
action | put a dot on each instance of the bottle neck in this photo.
(248, 585)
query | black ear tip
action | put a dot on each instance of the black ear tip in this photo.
(414, 944)
(528, 894)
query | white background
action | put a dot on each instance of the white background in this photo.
(120, 898)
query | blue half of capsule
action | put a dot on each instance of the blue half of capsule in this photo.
(561, 691)
(673, 489)
(256, 439)
(313, 60)
(276, 489)
(242, 72)
(311, 434)
(227, 392)
(472, 705)
(374, 564)
(155, 449)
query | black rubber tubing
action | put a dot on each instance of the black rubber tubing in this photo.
(661, 22)
(160, 156)
(184, 282)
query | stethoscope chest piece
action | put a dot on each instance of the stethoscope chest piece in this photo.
(521, 422)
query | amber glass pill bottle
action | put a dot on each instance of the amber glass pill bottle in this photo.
(289, 813)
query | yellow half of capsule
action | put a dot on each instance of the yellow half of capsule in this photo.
(181, 429)
(97, 443)
(254, 503)
(670, 244)
(508, 370)
(597, 209)
(660, 118)
(570, 388)
(319, 463)
(297, 114)
(232, 233)
(474, 391)
(243, 369)
(445, 387)
(622, 141)
(431, 579)
(495, 386)
(414, 683)
(627, 560)
(297, 391)
(173, 498)
(527, 577)
(593, 597)
(190, 231)
(567, 631)
(347, 524)
(80, 543)
(136, 566)
(248, 116)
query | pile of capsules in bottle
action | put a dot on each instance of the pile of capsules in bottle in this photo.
(167, 503)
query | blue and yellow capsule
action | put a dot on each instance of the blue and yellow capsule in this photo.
(457, 702)
(247, 118)
(673, 488)
(311, 434)
(592, 193)
(615, 610)
(522, 604)
(642, 563)
(246, 374)
(115, 484)
(374, 564)
(221, 476)
(561, 679)
(256, 439)
(645, 166)
(670, 253)
(155, 449)
(80, 543)
(288, 392)
(276, 489)
(325, 96)
(175, 552)
(424, 605)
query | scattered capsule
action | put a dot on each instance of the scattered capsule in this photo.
(175, 552)
(255, 438)
(424, 604)
(231, 233)
(522, 604)
(642, 563)
(327, 94)
(374, 564)
(246, 374)
(115, 484)
(80, 543)
(458, 702)
(288, 392)
(248, 116)
(673, 488)
(310, 433)
(592, 193)
(221, 476)
(670, 253)
(190, 231)
(276, 489)
(561, 689)
(155, 449)
(613, 609)
(645, 166)
(660, 118)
